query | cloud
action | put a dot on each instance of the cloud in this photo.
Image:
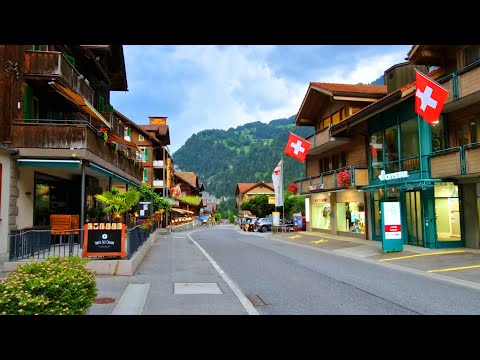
(217, 87)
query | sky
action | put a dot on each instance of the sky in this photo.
(201, 87)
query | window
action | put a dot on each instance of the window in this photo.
(472, 54)
(410, 149)
(376, 150)
(343, 159)
(127, 133)
(27, 102)
(145, 175)
(70, 59)
(438, 134)
(142, 157)
(335, 161)
(100, 103)
(326, 164)
(141, 138)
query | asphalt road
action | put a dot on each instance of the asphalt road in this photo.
(282, 278)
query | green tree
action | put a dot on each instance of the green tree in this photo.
(294, 204)
(259, 206)
(147, 194)
(118, 203)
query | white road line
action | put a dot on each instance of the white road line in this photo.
(132, 300)
(241, 296)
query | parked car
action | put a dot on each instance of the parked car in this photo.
(263, 225)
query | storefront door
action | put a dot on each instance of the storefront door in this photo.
(413, 217)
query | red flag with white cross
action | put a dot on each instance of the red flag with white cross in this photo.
(430, 97)
(297, 147)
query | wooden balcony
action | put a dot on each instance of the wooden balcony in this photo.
(53, 66)
(322, 141)
(158, 184)
(446, 163)
(56, 135)
(463, 87)
(328, 181)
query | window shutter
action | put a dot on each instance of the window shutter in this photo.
(37, 47)
(146, 154)
(27, 102)
(145, 175)
(129, 132)
(101, 103)
(70, 59)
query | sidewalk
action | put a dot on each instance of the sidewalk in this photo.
(174, 278)
(459, 264)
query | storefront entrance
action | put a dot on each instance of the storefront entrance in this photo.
(413, 218)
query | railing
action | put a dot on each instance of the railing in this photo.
(54, 63)
(447, 162)
(136, 236)
(157, 183)
(463, 82)
(328, 180)
(68, 134)
(40, 243)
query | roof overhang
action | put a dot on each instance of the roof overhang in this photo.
(330, 145)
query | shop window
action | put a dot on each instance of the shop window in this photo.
(410, 148)
(321, 216)
(447, 212)
(350, 217)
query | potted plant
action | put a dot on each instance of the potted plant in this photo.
(343, 178)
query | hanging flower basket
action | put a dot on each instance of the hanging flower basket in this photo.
(343, 178)
(293, 188)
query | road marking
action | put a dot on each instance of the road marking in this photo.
(455, 268)
(318, 241)
(427, 254)
(294, 237)
(132, 300)
(248, 306)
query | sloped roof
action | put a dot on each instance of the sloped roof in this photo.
(335, 88)
(139, 128)
(242, 188)
(187, 176)
(161, 131)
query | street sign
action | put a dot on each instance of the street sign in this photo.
(271, 200)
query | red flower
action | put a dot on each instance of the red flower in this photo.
(293, 188)
(343, 178)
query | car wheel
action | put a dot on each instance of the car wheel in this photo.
(263, 229)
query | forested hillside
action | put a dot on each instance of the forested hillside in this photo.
(247, 153)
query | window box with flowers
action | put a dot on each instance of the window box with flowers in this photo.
(343, 178)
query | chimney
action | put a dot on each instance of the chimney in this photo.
(158, 120)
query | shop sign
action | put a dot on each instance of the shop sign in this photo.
(315, 187)
(396, 175)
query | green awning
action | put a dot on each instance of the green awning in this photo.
(111, 174)
(51, 163)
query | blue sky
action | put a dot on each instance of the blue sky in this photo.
(217, 87)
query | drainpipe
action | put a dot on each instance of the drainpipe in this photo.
(163, 172)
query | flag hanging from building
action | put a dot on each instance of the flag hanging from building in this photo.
(297, 147)
(430, 97)
(176, 191)
(277, 177)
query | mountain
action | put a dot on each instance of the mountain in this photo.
(247, 153)
(379, 81)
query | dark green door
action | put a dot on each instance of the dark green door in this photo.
(413, 217)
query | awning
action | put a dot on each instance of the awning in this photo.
(80, 101)
(181, 211)
(111, 174)
(51, 163)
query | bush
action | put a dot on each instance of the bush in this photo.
(55, 286)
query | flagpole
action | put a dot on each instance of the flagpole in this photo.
(283, 202)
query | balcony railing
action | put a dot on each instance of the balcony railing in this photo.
(158, 183)
(70, 134)
(158, 163)
(322, 141)
(53, 64)
(329, 180)
(462, 83)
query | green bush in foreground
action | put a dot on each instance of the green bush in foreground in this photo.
(55, 286)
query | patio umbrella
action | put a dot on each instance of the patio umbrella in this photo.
(203, 218)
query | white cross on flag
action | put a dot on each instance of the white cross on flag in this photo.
(297, 147)
(429, 97)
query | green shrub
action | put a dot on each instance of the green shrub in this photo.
(55, 286)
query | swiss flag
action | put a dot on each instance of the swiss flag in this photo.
(297, 147)
(429, 97)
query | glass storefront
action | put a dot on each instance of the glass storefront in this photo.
(350, 214)
(447, 212)
(321, 211)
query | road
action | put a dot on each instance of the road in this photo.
(284, 278)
